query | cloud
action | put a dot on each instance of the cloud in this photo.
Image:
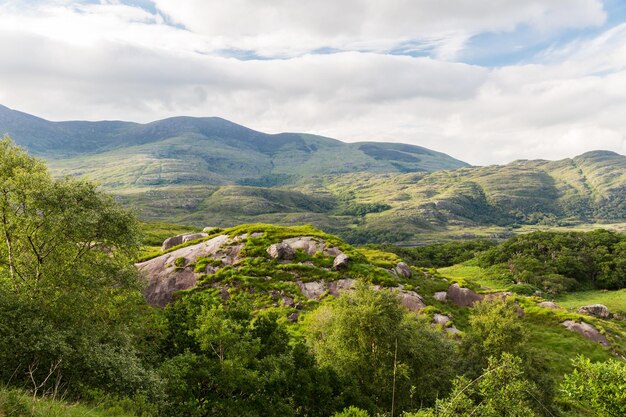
(291, 27)
(117, 61)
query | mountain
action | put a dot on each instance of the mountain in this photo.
(203, 151)
(209, 171)
(412, 207)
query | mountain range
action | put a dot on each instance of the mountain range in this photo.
(209, 171)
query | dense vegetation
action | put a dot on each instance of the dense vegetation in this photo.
(75, 326)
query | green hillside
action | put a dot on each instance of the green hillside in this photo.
(366, 207)
(203, 151)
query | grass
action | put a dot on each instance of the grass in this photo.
(17, 403)
(614, 300)
(468, 275)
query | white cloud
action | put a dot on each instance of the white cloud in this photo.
(112, 61)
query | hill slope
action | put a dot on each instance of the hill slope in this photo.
(365, 207)
(194, 151)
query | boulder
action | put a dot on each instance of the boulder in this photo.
(441, 296)
(440, 319)
(309, 245)
(208, 229)
(293, 317)
(452, 330)
(587, 331)
(411, 300)
(596, 310)
(341, 285)
(170, 242)
(403, 270)
(341, 261)
(312, 290)
(462, 297)
(548, 304)
(281, 251)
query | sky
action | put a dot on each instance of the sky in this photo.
(486, 81)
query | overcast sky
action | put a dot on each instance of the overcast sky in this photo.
(486, 81)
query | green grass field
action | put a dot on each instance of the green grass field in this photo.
(614, 300)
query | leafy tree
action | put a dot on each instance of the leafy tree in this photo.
(358, 336)
(69, 296)
(599, 386)
(501, 391)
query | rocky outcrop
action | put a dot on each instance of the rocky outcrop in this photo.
(311, 246)
(281, 251)
(403, 270)
(337, 287)
(170, 242)
(596, 310)
(587, 331)
(548, 304)
(462, 297)
(164, 277)
(341, 261)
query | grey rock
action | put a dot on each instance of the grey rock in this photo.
(462, 297)
(441, 296)
(440, 319)
(596, 310)
(281, 251)
(341, 261)
(587, 331)
(293, 317)
(548, 304)
(403, 269)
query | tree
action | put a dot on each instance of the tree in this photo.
(501, 391)
(599, 386)
(371, 340)
(68, 289)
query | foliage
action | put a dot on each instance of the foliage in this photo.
(357, 337)
(69, 299)
(560, 262)
(501, 391)
(600, 386)
(440, 255)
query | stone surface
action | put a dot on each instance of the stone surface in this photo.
(441, 296)
(403, 270)
(548, 304)
(596, 310)
(312, 290)
(293, 317)
(587, 331)
(281, 251)
(341, 285)
(462, 297)
(452, 330)
(341, 261)
(170, 242)
(440, 319)
(411, 300)
(163, 278)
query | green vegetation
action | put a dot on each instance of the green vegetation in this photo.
(247, 340)
(614, 300)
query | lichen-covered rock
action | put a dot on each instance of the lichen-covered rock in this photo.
(462, 297)
(403, 270)
(596, 310)
(548, 304)
(587, 331)
(441, 296)
(452, 330)
(341, 261)
(281, 251)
